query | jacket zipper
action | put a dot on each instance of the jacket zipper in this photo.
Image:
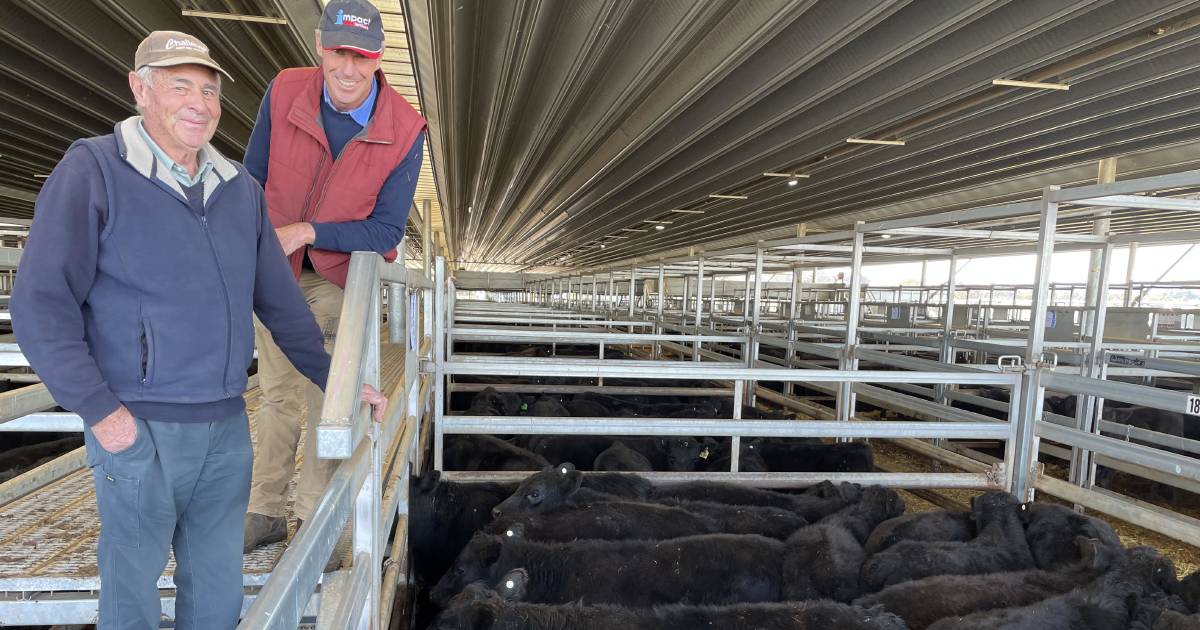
(212, 247)
(307, 211)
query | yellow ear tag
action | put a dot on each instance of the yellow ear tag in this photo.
(704, 453)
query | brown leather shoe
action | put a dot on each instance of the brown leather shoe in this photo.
(262, 530)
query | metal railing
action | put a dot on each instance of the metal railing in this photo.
(370, 487)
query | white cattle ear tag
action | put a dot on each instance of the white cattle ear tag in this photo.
(510, 584)
(509, 533)
(564, 471)
(704, 453)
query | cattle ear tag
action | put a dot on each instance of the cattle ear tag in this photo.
(564, 471)
(524, 406)
(510, 534)
(510, 584)
(704, 453)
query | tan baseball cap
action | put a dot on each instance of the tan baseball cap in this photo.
(173, 48)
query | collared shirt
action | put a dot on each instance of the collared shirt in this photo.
(360, 114)
(179, 172)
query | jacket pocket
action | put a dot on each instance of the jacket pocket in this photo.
(147, 352)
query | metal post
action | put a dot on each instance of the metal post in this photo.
(366, 535)
(1133, 247)
(396, 308)
(1041, 296)
(1086, 412)
(1024, 442)
(746, 300)
(427, 237)
(632, 290)
(845, 400)
(750, 350)
(595, 293)
(792, 298)
(1107, 173)
(687, 300)
(658, 306)
(439, 341)
(699, 307)
(610, 306)
(947, 354)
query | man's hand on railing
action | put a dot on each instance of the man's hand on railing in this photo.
(377, 400)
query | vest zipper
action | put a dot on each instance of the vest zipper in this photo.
(308, 211)
(212, 246)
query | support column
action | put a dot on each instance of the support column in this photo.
(699, 306)
(1106, 174)
(1032, 393)
(427, 237)
(947, 354)
(1133, 248)
(1087, 410)
(746, 300)
(845, 400)
(751, 349)
(610, 306)
(632, 290)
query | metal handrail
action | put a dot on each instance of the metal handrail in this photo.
(363, 485)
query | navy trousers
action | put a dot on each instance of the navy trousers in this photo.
(182, 486)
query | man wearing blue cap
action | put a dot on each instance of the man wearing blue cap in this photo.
(338, 152)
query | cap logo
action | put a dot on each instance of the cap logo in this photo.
(185, 43)
(347, 19)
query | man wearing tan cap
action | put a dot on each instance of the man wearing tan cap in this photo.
(148, 254)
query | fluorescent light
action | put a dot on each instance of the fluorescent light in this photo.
(633, 230)
(601, 245)
(233, 16)
(662, 222)
(885, 236)
(660, 227)
(792, 175)
(898, 143)
(728, 197)
(1038, 85)
(689, 211)
(40, 176)
(793, 182)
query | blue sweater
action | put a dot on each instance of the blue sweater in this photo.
(379, 232)
(129, 294)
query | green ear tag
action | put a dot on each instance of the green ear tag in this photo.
(524, 406)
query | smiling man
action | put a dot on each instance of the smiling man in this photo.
(338, 152)
(149, 254)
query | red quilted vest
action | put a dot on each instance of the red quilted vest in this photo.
(305, 183)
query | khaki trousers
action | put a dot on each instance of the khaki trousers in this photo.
(279, 417)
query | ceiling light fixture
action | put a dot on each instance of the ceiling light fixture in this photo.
(1037, 85)
(214, 15)
(656, 222)
(793, 182)
(791, 175)
(885, 236)
(689, 211)
(633, 230)
(897, 143)
(601, 245)
(728, 197)
(660, 227)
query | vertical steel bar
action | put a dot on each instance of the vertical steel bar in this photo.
(847, 361)
(1085, 407)
(439, 340)
(699, 306)
(1041, 296)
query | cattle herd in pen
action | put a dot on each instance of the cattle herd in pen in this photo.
(608, 549)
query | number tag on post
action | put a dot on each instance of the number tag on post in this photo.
(1193, 406)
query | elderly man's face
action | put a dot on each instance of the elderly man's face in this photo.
(181, 107)
(347, 76)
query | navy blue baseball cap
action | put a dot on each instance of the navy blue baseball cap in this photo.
(353, 25)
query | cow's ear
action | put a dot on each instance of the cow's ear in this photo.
(514, 585)
(566, 468)
(428, 482)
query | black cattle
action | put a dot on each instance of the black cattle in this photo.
(788, 455)
(586, 408)
(485, 452)
(479, 608)
(580, 450)
(1161, 610)
(999, 546)
(547, 405)
(683, 453)
(631, 520)
(812, 507)
(555, 487)
(443, 515)
(1051, 529)
(750, 460)
(621, 458)
(924, 601)
(766, 521)
(938, 525)
(1172, 620)
(1105, 604)
(605, 521)
(824, 559)
(708, 569)
(1189, 589)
